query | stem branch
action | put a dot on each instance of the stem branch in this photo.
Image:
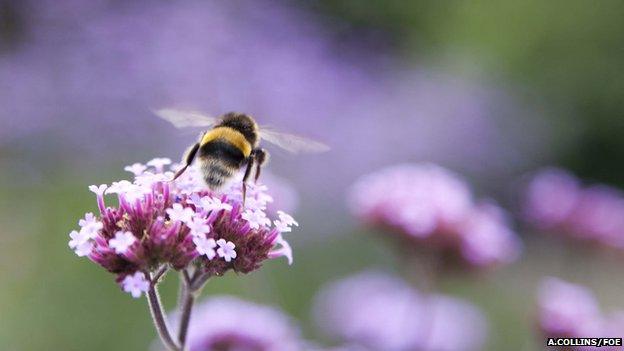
(186, 307)
(198, 281)
(153, 298)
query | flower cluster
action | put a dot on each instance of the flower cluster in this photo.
(556, 201)
(429, 205)
(228, 323)
(380, 312)
(160, 223)
(570, 310)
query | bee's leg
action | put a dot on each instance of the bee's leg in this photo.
(188, 159)
(250, 163)
(261, 158)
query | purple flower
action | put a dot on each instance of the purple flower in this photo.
(599, 215)
(178, 224)
(80, 243)
(567, 310)
(570, 310)
(381, 312)
(419, 199)
(228, 323)
(429, 205)
(550, 197)
(205, 246)
(256, 218)
(486, 236)
(136, 284)
(122, 241)
(556, 201)
(226, 250)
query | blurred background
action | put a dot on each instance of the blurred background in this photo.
(493, 90)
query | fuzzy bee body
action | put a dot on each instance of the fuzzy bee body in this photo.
(219, 161)
(231, 144)
(226, 148)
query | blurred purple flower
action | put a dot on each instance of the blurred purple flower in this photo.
(419, 199)
(570, 310)
(550, 197)
(431, 206)
(162, 223)
(556, 201)
(567, 310)
(225, 323)
(599, 214)
(486, 236)
(381, 312)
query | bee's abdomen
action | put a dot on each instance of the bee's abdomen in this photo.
(215, 174)
(220, 161)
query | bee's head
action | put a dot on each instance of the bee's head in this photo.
(243, 123)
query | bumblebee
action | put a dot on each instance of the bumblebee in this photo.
(232, 143)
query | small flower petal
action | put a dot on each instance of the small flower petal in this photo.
(180, 213)
(198, 226)
(159, 163)
(98, 190)
(135, 284)
(80, 243)
(90, 226)
(286, 219)
(122, 241)
(226, 250)
(205, 246)
(84, 249)
(256, 218)
(281, 227)
(136, 168)
(284, 250)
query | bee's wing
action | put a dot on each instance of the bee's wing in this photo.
(184, 119)
(292, 143)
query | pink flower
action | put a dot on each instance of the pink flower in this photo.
(427, 205)
(383, 313)
(159, 163)
(556, 201)
(122, 241)
(177, 224)
(135, 284)
(416, 198)
(205, 246)
(228, 323)
(256, 218)
(568, 310)
(136, 169)
(486, 237)
(565, 308)
(550, 197)
(226, 250)
(179, 213)
(198, 227)
(80, 243)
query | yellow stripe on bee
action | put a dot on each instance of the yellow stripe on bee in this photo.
(230, 135)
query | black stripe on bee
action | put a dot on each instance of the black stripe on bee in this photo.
(223, 152)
